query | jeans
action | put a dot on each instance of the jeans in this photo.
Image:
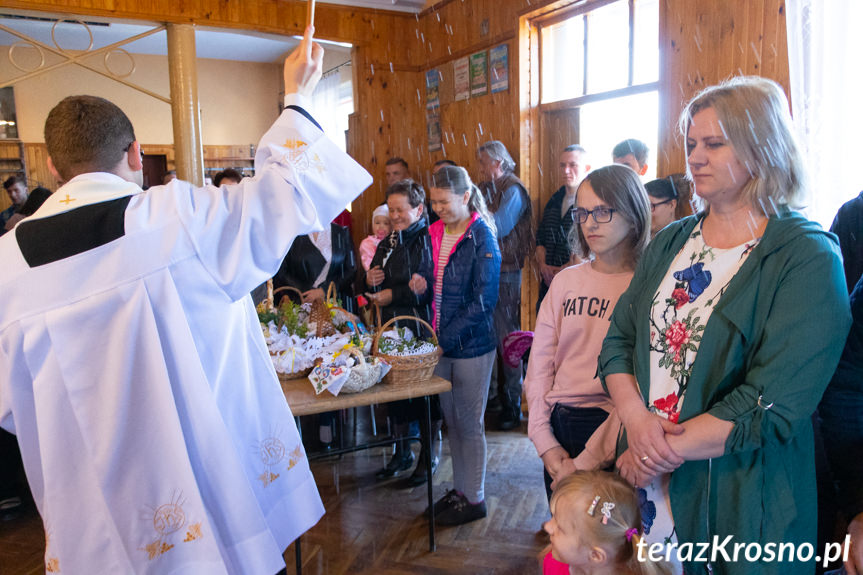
(572, 427)
(464, 411)
(505, 380)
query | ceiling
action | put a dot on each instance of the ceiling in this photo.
(412, 6)
(221, 44)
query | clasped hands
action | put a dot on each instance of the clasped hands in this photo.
(558, 463)
(374, 278)
(649, 453)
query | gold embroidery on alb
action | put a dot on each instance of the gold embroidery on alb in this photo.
(167, 520)
(272, 452)
(193, 533)
(299, 156)
(52, 564)
(296, 456)
(68, 200)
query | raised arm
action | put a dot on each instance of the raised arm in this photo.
(302, 182)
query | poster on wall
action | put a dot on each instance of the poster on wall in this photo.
(8, 120)
(498, 66)
(433, 127)
(479, 73)
(432, 89)
(461, 78)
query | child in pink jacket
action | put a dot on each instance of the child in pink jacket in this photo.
(381, 228)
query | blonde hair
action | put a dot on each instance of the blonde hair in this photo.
(579, 490)
(456, 180)
(621, 188)
(754, 116)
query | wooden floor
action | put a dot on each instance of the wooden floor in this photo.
(378, 527)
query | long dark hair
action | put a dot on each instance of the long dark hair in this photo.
(456, 180)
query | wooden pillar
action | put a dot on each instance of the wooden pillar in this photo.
(183, 73)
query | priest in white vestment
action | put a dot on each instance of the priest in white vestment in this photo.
(153, 429)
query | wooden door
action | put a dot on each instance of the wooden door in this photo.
(559, 129)
(155, 167)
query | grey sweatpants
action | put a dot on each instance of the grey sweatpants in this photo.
(464, 411)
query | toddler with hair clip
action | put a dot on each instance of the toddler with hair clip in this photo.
(595, 528)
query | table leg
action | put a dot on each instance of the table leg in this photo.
(428, 442)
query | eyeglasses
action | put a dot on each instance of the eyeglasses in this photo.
(657, 204)
(601, 215)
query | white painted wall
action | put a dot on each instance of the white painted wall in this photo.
(239, 100)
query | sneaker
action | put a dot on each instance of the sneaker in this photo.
(399, 462)
(445, 502)
(461, 511)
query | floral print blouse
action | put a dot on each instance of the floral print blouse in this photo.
(681, 308)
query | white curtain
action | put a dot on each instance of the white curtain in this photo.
(825, 49)
(327, 112)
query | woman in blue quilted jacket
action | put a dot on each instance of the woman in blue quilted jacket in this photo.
(466, 261)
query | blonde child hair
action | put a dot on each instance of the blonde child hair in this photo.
(579, 503)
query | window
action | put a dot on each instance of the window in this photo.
(334, 102)
(601, 59)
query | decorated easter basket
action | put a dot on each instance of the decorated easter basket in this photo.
(363, 375)
(270, 302)
(407, 368)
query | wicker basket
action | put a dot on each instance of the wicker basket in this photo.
(407, 368)
(271, 301)
(363, 375)
(271, 304)
(295, 375)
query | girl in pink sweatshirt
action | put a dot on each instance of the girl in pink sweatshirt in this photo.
(566, 400)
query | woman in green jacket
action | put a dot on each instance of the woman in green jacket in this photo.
(721, 348)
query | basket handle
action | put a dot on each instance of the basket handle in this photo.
(356, 327)
(332, 294)
(279, 323)
(287, 288)
(398, 317)
(357, 352)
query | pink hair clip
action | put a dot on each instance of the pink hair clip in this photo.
(592, 509)
(630, 532)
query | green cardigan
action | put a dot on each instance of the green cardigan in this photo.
(776, 334)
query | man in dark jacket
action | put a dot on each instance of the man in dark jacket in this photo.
(509, 202)
(848, 226)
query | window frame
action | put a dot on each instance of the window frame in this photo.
(582, 9)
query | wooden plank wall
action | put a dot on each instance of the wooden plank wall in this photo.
(454, 30)
(706, 41)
